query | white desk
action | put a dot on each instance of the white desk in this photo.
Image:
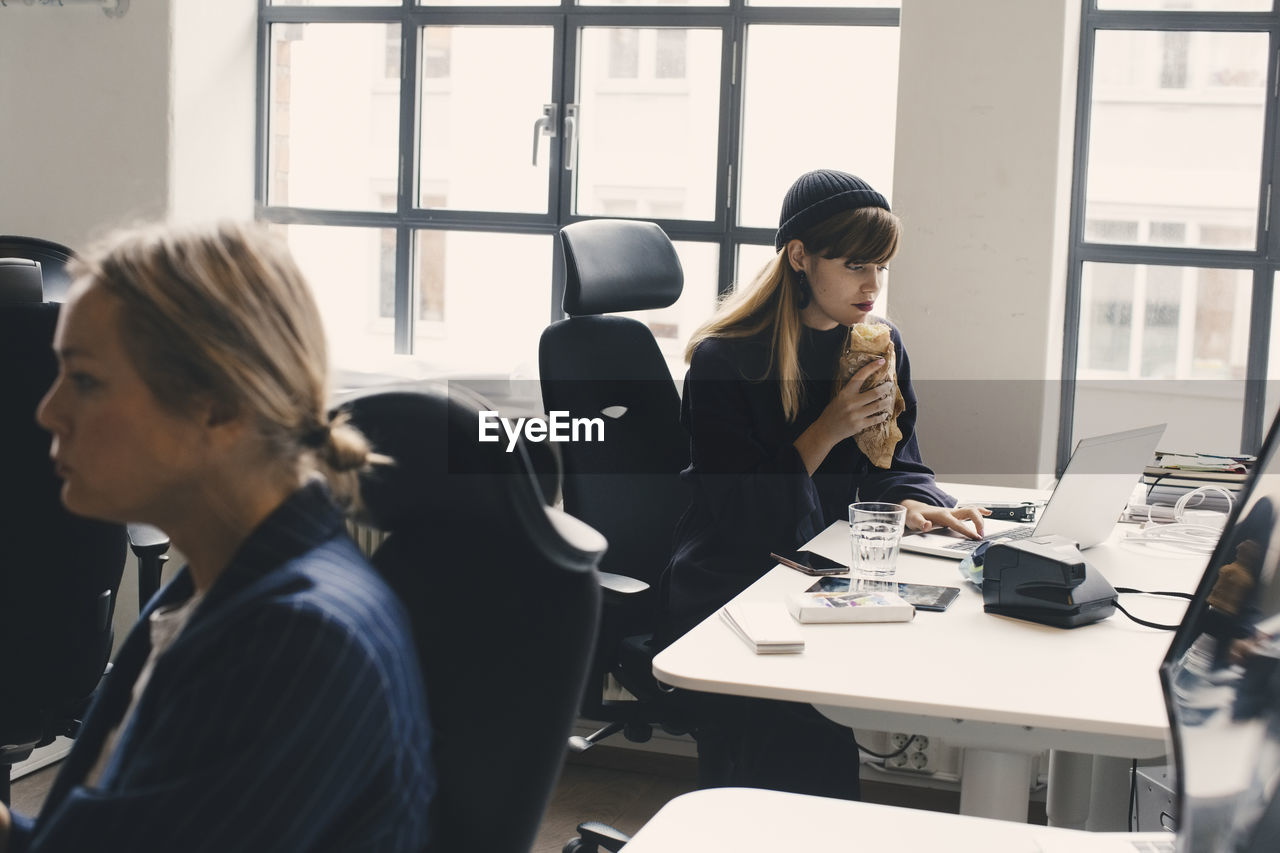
(1002, 688)
(750, 820)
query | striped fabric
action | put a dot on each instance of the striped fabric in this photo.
(367, 538)
(288, 716)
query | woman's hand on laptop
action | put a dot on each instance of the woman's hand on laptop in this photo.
(967, 520)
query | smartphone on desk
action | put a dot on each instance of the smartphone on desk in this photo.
(810, 563)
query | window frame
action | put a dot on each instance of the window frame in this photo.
(1263, 261)
(568, 18)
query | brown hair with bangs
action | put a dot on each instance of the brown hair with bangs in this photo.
(769, 302)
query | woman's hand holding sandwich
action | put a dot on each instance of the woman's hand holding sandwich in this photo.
(850, 411)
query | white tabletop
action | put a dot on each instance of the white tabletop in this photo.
(750, 820)
(983, 680)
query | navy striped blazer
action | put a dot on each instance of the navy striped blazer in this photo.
(288, 715)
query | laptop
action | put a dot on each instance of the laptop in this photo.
(1221, 685)
(1089, 497)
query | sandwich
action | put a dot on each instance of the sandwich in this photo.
(866, 343)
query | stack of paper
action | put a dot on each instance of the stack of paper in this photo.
(1189, 471)
(1175, 474)
(765, 626)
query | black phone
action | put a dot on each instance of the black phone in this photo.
(810, 563)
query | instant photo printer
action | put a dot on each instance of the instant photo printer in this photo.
(1044, 579)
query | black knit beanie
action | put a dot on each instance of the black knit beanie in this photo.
(820, 194)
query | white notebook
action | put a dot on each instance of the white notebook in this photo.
(765, 626)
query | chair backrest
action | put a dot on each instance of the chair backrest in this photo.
(504, 599)
(20, 281)
(53, 258)
(609, 367)
(59, 572)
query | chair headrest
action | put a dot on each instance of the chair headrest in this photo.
(53, 258)
(440, 470)
(618, 265)
(20, 281)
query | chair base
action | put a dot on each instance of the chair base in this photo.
(594, 836)
(632, 731)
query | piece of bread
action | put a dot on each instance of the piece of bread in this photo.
(867, 342)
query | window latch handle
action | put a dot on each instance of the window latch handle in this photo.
(571, 136)
(544, 126)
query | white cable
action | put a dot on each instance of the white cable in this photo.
(1179, 535)
(1179, 509)
(1200, 535)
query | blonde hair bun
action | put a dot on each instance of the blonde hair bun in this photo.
(346, 448)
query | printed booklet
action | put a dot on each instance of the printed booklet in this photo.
(922, 596)
(848, 606)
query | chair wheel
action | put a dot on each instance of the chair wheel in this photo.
(638, 732)
(574, 846)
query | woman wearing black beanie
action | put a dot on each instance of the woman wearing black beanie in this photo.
(774, 460)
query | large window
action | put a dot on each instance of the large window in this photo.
(420, 155)
(1174, 260)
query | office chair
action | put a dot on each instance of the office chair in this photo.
(52, 257)
(59, 573)
(504, 599)
(626, 486)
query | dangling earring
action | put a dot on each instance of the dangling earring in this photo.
(803, 290)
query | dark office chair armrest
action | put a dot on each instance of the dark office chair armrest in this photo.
(594, 836)
(149, 545)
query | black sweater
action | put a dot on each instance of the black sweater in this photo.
(751, 492)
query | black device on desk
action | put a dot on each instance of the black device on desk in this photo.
(1044, 579)
(1017, 511)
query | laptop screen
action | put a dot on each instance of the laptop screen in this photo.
(1221, 680)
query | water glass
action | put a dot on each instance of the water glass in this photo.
(876, 531)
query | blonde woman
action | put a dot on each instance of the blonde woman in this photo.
(773, 458)
(269, 697)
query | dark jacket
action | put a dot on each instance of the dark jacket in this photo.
(752, 494)
(288, 715)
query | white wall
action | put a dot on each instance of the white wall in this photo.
(110, 120)
(84, 110)
(211, 133)
(986, 99)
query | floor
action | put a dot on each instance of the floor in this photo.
(28, 793)
(620, 787)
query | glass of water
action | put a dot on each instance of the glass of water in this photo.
(876, 529)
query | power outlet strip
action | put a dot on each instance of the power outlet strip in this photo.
(916, 758)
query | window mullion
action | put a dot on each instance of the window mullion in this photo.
(1260, 330)
(406, 184)
(1270, 204)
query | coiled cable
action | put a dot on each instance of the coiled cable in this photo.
(1194, 530)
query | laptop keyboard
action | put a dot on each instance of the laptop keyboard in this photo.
(970, 544)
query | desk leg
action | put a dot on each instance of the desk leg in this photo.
(1109, 799)
(1070, 779)
(1088, 791)
(996, 784)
